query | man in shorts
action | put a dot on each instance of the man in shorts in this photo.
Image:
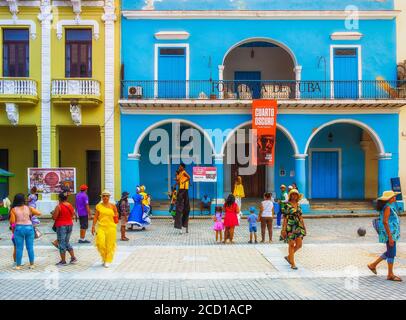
(83, 212)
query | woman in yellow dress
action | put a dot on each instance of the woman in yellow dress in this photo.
(106, 218)
(239, 194)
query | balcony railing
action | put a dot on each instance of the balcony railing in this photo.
(75, 87)
(264, 89)
(18, 87)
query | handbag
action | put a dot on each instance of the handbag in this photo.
(37, 233)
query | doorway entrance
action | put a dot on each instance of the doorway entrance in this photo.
(93, 169)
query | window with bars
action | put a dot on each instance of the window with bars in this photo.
(16, 53)
(78, 53)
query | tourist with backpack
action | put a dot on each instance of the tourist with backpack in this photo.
(123, 208)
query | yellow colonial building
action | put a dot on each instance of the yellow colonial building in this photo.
(60, 65)
(401, 56)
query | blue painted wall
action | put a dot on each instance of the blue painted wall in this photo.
(346, 137)
(132, 126)
(283, 160)
(258, 4)
(308, 41)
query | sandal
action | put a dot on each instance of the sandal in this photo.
(373, 270)
(395, 278)
(294, 267)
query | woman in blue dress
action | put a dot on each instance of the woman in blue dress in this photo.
(389, 232)
(136, 213)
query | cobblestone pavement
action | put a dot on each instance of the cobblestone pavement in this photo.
(161, 264)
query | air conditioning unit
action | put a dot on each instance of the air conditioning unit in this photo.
(135, 92)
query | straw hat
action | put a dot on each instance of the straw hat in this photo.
(294, 191)
(106, 193)
(387, 195)
(282, 186)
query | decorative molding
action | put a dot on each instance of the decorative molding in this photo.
(385, 156)
(346, 36)
(260, 14)
(17, 22)
(13, 7)
(172, 35)
(46, 17)
(77, 22)
(109, 17)
(76, 114)
(402, 71)
(299, 156)
(68, 3)
(12, 113)
(375, 137)
(77, 7)
(109, 12)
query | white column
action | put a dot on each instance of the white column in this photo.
(270, 178)
(298, 76)
(46, 205)
(109, 18)
(221, 78)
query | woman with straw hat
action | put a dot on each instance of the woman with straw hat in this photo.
(106, 218)
(293, 229)
(389, 232)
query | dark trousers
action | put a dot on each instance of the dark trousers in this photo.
(182, 209)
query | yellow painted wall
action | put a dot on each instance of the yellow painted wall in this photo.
(371, 167)
(73, 143)
(401, 56)
(21, 143)
(29, 115)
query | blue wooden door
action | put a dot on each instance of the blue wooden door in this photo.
(346, 85)
(254, 81)
(172, 73)
(324, 175)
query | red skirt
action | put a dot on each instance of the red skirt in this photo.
(230, 219)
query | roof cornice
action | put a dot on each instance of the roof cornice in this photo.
(259, 15)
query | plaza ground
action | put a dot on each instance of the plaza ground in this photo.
(161, 264)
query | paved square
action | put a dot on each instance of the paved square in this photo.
(161, 264)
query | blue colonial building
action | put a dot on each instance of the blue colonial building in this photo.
(331, 65)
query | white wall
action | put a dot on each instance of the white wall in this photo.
(274, 63)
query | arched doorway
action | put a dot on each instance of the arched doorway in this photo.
(264, 178)
(163, 146)
(343, 162)
(259, 68)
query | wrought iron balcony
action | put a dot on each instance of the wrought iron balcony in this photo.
(247, 90)
(76, 89)
(18, 90)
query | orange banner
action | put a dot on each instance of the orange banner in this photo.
(264, 124)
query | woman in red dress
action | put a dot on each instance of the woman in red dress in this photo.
(231, 210)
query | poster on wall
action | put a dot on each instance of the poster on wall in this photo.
(52, 180)
(395, 182)
(264, 123)
(204, 174)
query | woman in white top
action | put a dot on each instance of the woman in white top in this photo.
(266, 213)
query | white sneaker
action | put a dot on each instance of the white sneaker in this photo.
(180, 231)
(106, 265)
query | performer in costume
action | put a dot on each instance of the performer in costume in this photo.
(146, 204)
(136, 214)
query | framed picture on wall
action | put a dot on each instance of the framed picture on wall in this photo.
(282, 173)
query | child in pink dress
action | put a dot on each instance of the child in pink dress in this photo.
(218, 223)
